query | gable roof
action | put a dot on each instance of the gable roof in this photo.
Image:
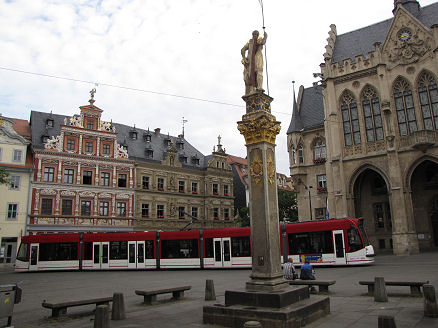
(136, 147)
(361, 41)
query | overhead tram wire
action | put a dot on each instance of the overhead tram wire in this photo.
(129, 88)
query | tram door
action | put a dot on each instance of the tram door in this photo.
(136, 254)
(222, 252)
(338, 237)
(101, 255)
(33, 263)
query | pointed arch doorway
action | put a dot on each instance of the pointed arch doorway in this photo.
(424, 187)
(371, 201)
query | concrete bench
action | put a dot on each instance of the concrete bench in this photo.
(323, 285)
(61, 307)
(414, 285)
(150, 296)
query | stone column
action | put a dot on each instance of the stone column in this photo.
(260, 128)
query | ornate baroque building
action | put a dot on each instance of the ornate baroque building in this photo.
(83, 179)
(92, 175)
(366, 138)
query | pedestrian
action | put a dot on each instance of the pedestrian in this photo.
(289, 270)
(307, 272)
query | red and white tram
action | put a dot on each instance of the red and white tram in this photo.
(322, 242)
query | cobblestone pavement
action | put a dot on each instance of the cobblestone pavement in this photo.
(349, 305)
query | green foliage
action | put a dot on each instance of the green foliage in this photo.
(244, 216)
(4, 176)
(287, 205)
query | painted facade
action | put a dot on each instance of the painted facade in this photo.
(15, 159)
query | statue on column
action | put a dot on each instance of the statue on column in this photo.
(253, 63)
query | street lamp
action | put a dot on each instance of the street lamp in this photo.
(310, 201)
(310, 198)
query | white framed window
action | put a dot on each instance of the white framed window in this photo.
(12, 213)
(14, 182)
(17, 155)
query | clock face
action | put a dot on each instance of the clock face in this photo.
(404, 35)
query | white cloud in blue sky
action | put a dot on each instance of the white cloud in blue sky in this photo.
(182, 47)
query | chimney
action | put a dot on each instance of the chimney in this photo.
(157, 130)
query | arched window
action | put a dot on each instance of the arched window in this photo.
(404, 104)
(428, 93)
(300, 154)
(372, 115)
(319, 150)
(350, 119)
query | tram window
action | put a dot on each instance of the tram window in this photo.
(240, 246)
(179, 248)
(208, 247)
(58, 251)
(316, 242)
(22, 252)
(354, 241)
(118, 250)
(88, 251)
(149, 244)
(363, 233)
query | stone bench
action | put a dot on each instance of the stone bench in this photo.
(150, 296)
(414, 285)
(323, 285)
(61, 307)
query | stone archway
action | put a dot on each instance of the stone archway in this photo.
(371, 201)
(424, 187)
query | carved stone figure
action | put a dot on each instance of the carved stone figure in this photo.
(253, 63)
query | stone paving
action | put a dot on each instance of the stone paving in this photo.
(349, 305)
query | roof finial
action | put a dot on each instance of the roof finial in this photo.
(92, 92)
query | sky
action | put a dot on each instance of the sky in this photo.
(154, 62)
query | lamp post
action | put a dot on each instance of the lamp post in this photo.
(310, 201)
(310, 197)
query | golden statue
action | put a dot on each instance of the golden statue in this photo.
(253, 63)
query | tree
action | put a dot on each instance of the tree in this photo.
(244, 216)
(287, 205)
(4, 176)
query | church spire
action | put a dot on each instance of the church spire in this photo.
(296, 124)
(410, 5)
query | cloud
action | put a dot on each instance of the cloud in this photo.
(182, 47)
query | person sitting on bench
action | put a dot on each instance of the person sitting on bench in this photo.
(307, 272)
(289, 270)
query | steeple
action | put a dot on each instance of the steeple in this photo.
(410, 5)
(296, 123)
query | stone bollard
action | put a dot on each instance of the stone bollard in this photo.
(430, 305)
(101, 317)
(118, 312)
(380, 294)
(386, 321)
(210, 295)
(252, 324)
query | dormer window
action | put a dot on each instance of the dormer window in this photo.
(180, 144)
(134, 135)
(49, 123)
(44, 138)
(167, 142)
(149, 153)
(195, 160)
(147, 137)
(183, 159)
